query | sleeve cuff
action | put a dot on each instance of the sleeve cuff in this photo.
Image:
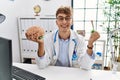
(92, 56)
(41, 57)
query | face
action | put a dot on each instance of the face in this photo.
(64, 22)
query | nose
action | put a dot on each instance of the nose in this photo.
(64, 20)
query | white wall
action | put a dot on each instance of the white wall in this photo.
(14, 8)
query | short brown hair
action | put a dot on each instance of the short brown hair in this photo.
(65, 10)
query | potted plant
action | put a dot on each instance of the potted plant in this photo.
(111, 11)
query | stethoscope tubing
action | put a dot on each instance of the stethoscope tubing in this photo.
(74, 52)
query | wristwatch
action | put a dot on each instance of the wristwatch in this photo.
(89, 47)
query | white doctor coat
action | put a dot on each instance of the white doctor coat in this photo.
(77, 43)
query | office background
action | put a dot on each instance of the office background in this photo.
(15, 8)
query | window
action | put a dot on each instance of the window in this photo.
(83, 12)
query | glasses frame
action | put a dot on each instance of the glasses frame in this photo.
(61, 18)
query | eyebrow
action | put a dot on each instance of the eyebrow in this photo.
(62, 16)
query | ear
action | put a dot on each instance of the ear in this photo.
(56, 22)
(72, 22)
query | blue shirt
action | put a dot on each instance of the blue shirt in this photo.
(63, 57)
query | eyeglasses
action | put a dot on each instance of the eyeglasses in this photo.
(62, 18)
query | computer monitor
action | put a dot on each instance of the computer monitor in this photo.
(5, 59)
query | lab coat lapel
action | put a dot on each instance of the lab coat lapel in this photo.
(71, 48)
(56, 44)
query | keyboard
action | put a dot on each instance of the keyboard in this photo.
(21, 74)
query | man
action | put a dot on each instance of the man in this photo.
(63, 47)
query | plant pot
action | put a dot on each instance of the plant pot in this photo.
(118, 67)
(118, 59)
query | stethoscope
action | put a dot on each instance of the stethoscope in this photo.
(74, 56)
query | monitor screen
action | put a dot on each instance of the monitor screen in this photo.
(5, 59)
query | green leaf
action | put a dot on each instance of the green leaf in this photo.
(92, 31)
(40, 37)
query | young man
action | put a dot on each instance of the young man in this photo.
(63, 47)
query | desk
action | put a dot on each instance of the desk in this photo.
(65, 73)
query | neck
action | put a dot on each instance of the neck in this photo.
(64, 35)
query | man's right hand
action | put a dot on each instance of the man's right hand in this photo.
(35, 33)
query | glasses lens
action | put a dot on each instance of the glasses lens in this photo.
(67, 18)
(61, 18)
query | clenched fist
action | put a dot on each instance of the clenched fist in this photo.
(35, 33)
(94, 36)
